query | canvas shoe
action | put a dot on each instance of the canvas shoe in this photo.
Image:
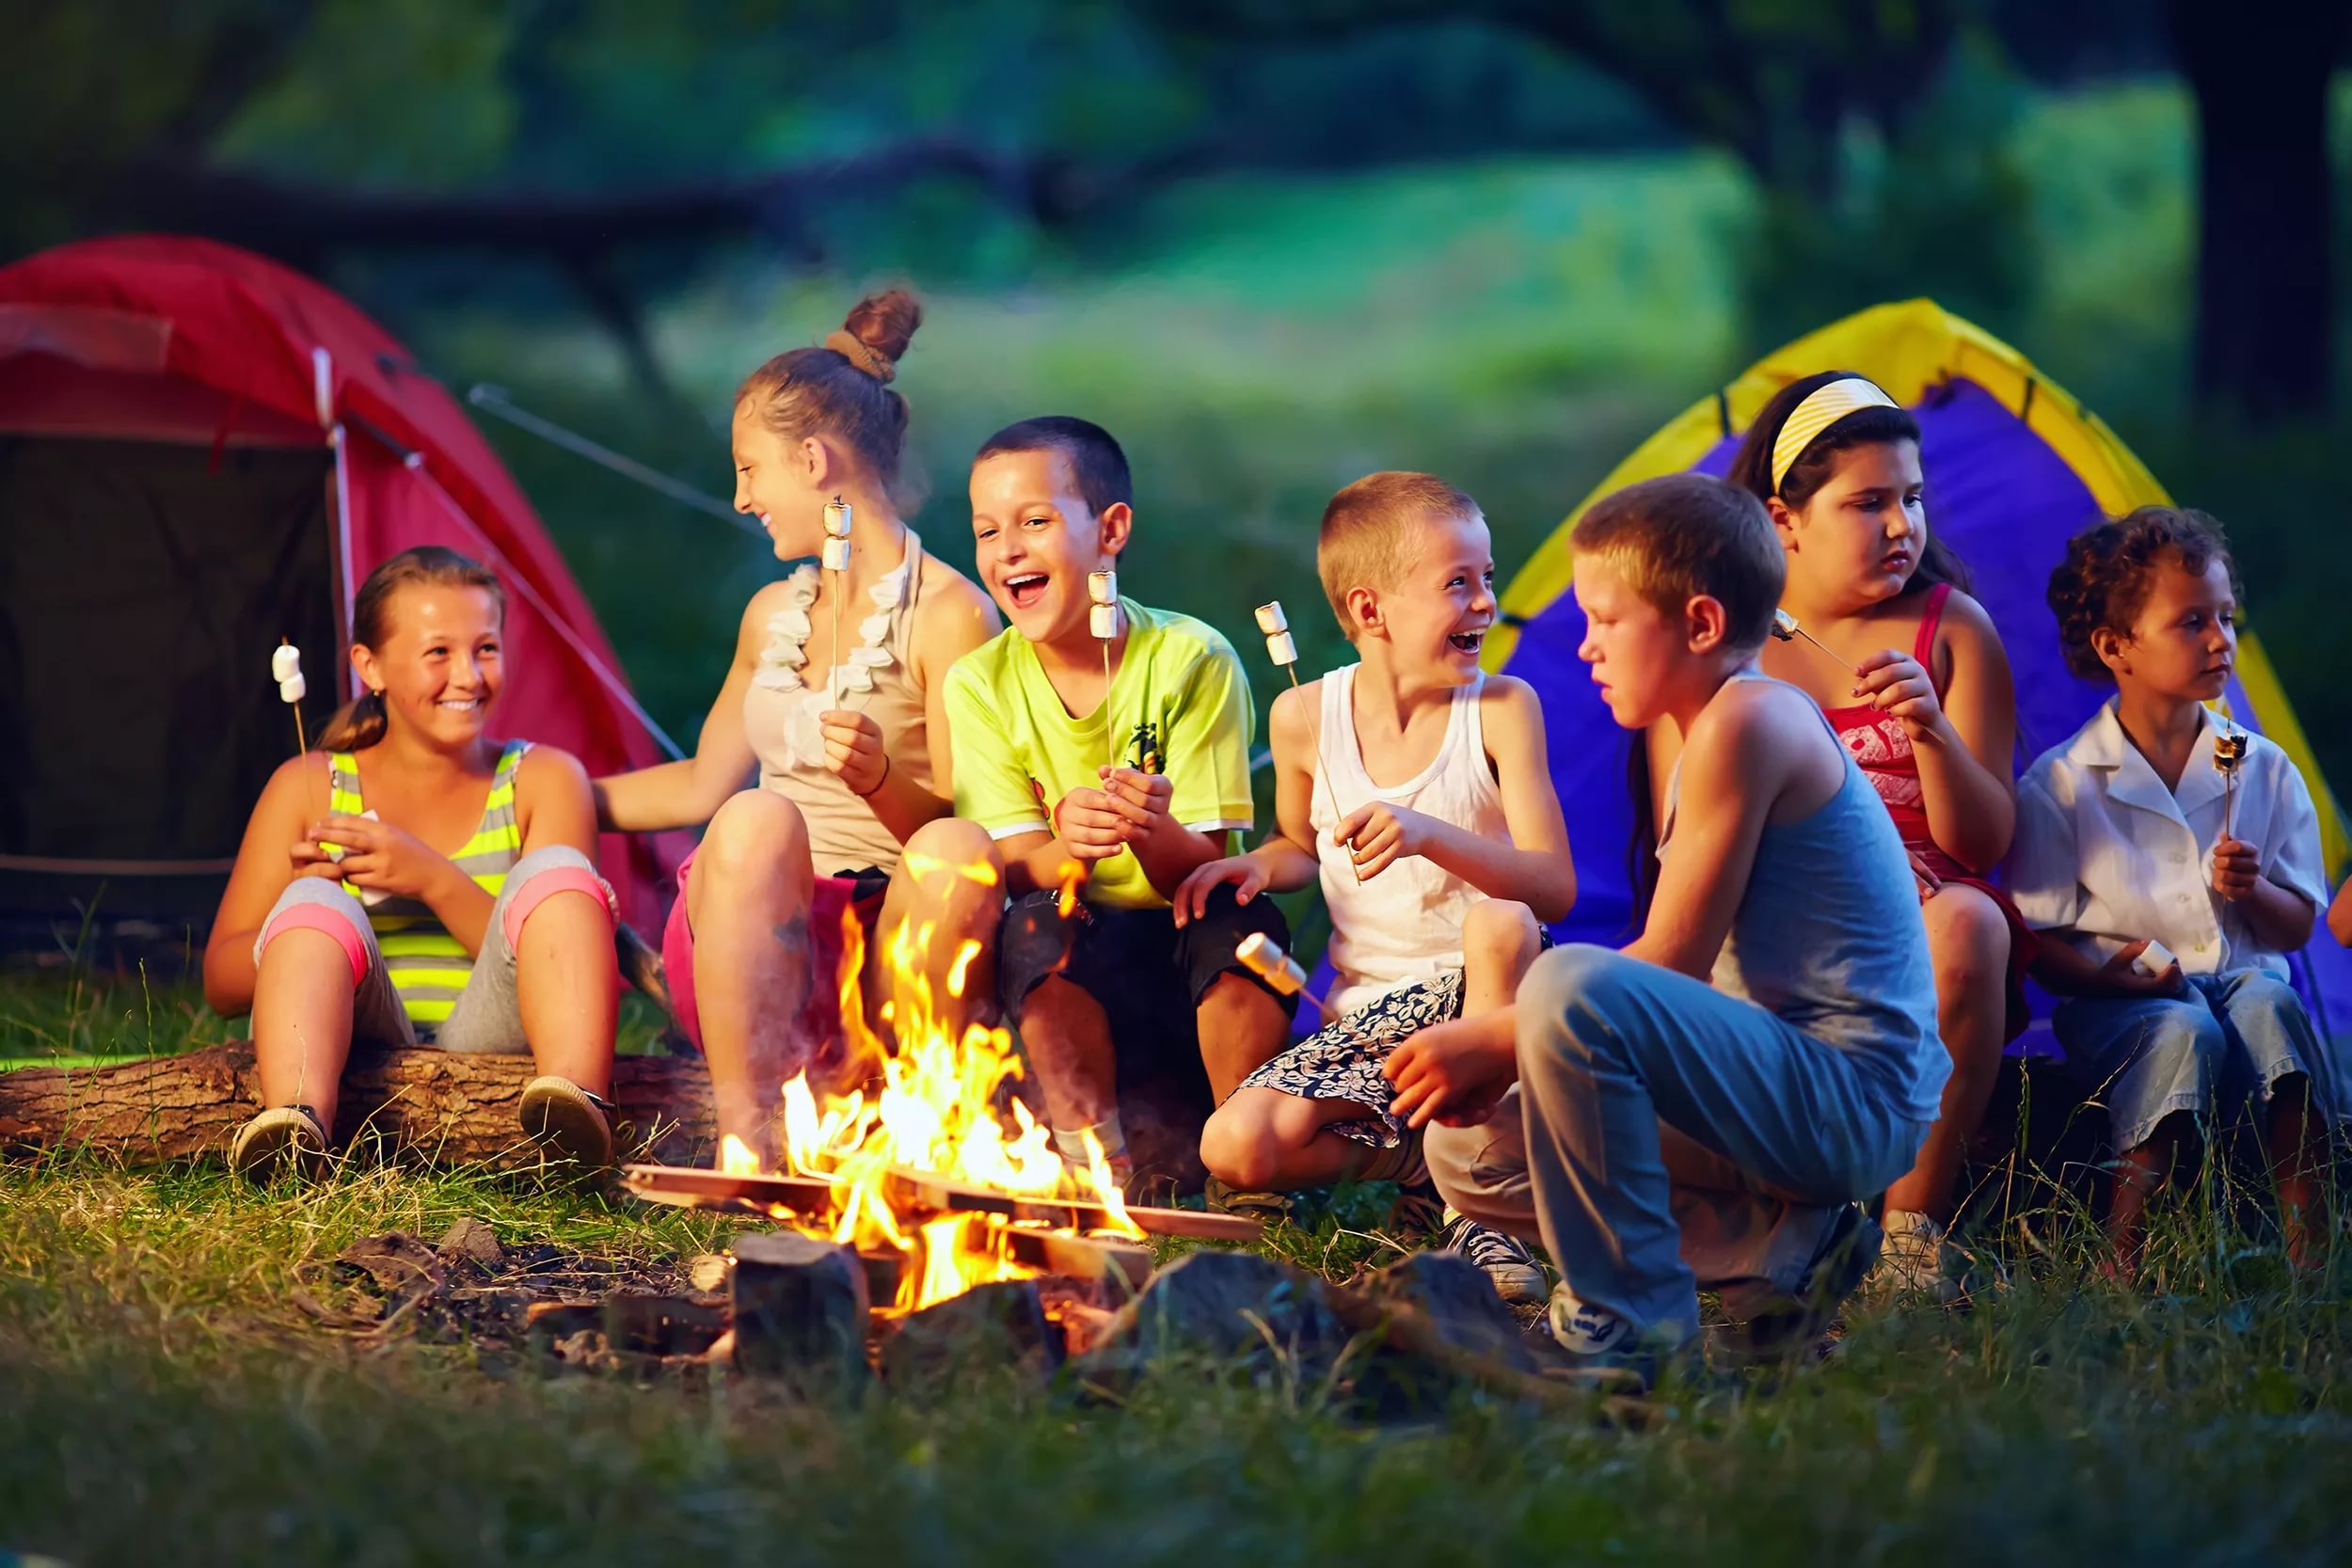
(567, 1122)
(1507, 1261)
(1600, 1350)
(283, 1137)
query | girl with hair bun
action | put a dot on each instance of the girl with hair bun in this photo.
(446, 898)
(1926, 706)
(847, 745)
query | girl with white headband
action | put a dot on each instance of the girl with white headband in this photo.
(1925, 702)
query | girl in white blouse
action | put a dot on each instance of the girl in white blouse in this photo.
(2169, 896)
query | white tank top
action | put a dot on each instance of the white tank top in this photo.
(1406, 924)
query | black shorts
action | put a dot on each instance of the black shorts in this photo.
(1149, 975)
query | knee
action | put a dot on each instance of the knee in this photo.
(952, 864)
(539, 876)
(2188, 1038)
(1968, 941)
(1241, 1147)
(757, 834)
(2265, 1002)
(1500, 929)
(1566, 1001)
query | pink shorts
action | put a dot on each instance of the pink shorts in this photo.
(821, 1014)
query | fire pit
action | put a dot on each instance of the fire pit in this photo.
(933, 1171)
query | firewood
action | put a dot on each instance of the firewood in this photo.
(431, 1105)
(800, 1311)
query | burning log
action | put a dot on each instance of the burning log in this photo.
(1002, 1324)
(434, 1106)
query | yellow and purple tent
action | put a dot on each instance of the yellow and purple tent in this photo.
(2015, 467)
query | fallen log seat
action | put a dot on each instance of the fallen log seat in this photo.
(430, 1106)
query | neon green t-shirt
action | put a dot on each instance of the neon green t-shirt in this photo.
(1179, 705)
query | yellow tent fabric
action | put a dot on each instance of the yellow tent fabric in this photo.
(1911, 348)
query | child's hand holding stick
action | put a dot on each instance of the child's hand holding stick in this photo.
(1284, 649)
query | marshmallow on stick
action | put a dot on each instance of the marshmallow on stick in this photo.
(285, 668)
(1784, 628)
(837, 561)
(1284, 650)
(1103, 620)
(2229, 754)
(1263, 956)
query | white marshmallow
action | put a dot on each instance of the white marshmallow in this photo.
(285, 662)
(1263, 956)
(2153, 959)
(293, 689)
(837, 518)
(1102, 587)
(836, 556)
(1271, 619)
(1783, 625)
(1102, 619)
(1282, 648)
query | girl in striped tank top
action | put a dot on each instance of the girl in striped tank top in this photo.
(423, 908)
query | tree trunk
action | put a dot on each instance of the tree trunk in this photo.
(431, 1105)
(2265, 311)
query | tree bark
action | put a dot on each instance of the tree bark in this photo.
(430, 1106)
(2264, 345)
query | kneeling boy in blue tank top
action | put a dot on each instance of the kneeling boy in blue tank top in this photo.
(1708, 1105)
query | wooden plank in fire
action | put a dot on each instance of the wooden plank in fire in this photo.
(917, 1192)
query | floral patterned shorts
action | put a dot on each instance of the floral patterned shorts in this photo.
(1342, 1059)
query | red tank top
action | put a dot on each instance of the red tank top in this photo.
(1883, 747)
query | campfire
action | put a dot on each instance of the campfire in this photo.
(930, 1165)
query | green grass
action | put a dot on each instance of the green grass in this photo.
(166, 1400)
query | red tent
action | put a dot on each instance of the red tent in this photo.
(201, 452)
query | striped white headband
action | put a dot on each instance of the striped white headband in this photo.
(1827, 404)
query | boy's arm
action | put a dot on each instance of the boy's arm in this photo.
(2340, 915)
(688, 794)
(1287, 861)
(993, 788)
(1535, 867)
(1205, 755)
(1735, 764)
(2044, 881)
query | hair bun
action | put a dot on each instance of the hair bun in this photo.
(875, 336)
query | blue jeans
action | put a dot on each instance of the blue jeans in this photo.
(1663, 1135)
(2221, 1039)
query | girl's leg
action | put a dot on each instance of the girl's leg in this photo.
(2140, 1171)
(1968, 941)
(1499, 939)
(567, 986)
(747, 904)
(1264, 1140)
(2296, 1138)
(302, 1000)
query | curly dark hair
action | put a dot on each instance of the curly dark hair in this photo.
(2109, 567)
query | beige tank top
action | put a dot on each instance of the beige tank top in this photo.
(875, 676)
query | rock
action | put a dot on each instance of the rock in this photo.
(1236, 1307)
(1459, 1304)
(403, 1268)
(799, 1310)
(470, 1240)
(990, 1325)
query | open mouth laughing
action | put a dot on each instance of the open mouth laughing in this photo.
(1027, 588)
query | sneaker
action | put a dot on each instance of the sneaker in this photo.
(1917, 1259)
(1599, 1349)
(567, 1122)
(1766, 1324)
(1507, 1261)
(286, 1136)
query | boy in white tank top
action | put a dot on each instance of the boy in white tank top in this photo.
(1416, 788)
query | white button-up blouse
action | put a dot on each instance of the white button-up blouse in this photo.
(2105, 854)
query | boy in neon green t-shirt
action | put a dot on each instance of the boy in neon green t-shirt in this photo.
(1112, 991)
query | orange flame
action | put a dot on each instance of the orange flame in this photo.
(1073, 876)
(940, 1103)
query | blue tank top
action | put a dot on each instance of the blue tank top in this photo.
(1828, 936)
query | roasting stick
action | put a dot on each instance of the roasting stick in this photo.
(285, 668)
(1284, 650)
(1786, 629)
(1263, 956)
(837, 561)
(2229, 752)
(1102, 619)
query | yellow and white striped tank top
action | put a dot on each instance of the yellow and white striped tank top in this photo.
(428, 966)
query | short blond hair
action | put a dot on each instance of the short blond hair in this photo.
(1367, 539)
(1675, 538)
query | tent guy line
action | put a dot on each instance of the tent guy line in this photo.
(494, 400)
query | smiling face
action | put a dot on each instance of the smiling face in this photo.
(1035, 539)
(1859, 538)
(1641, 656)
(442, 667)
(776, 482)
(1436, 615)
(2184, 641)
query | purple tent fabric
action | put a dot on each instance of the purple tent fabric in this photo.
(2007, 503)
